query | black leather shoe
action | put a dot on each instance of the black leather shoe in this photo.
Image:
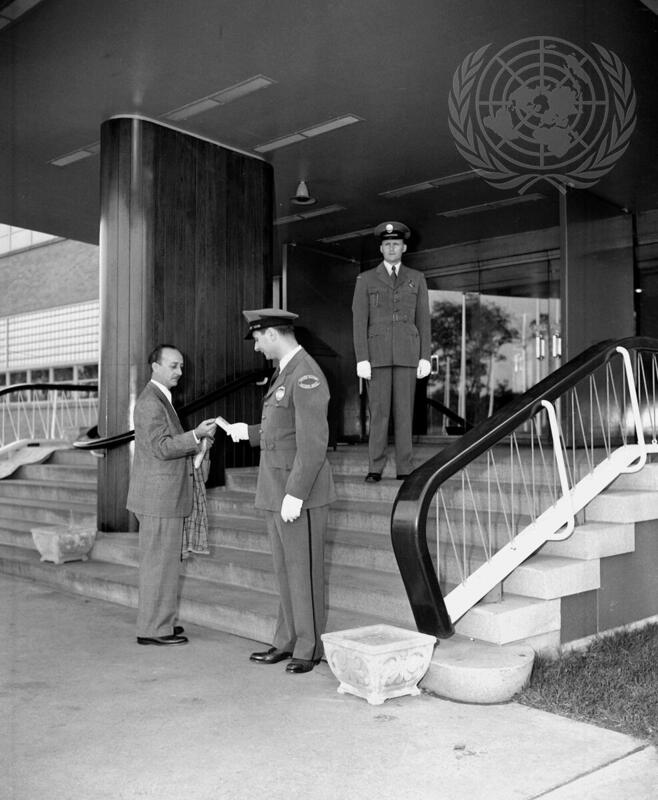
(171, 639)
(401, 477)
(179, 630)
(271, 656)
(373, 477)
(298, 665)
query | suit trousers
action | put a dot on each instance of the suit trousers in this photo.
(298, 554)
(400, 382)
(160, 540)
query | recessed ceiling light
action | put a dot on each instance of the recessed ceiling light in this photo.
(302, 215)
(76, 155)
(511, 201)
(308, 133)
(276, 143)
(330, 125)
(351, 235)
(16, 9)
(433, 183)
(220, 98)
(243, 88)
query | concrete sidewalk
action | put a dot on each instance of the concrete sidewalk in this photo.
(87, 714)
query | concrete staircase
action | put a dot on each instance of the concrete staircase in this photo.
(233, 588)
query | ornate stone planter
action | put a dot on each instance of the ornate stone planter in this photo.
(60, 543)
(378, 662)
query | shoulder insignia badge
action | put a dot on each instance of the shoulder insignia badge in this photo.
(279, 394)
(308, 382)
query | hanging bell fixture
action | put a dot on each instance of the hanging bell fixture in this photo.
(302, 196)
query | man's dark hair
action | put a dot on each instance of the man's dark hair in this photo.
(285, 330)
(156, 353)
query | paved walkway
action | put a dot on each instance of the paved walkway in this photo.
(87, 714)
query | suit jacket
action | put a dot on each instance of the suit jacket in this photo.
(391, 323)
(293, 436)
(161, 477)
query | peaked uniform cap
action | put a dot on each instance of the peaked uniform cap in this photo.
(392, 230)
(261, 318)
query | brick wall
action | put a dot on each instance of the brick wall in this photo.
(54, 274)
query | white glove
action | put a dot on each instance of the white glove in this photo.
(363, 370)
(238, 431)
(424, 368)
(291, 508)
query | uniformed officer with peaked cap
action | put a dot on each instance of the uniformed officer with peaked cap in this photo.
(295, 485)
(392, 340)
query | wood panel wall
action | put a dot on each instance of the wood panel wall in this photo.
(185, 246)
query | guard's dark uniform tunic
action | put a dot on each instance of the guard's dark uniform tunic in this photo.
(293, 436)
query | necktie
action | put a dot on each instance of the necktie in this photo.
(394, 273)
(275, 375)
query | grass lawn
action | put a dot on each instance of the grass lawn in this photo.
(613, 683)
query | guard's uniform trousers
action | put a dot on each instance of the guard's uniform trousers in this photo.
(391, 326)
(293, 436)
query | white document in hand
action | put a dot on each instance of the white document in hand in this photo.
(223, 424)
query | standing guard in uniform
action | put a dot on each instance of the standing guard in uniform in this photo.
(295, 485)
(392, 341)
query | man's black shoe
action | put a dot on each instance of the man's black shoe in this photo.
(401, 477)
(271, 656)
(161, 640)
(373, 477)
(178, 630)
(298, 665)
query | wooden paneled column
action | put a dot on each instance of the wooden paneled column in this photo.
(185, 245)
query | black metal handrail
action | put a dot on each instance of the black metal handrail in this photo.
(411, 506)
(72, 387)
(225, 389)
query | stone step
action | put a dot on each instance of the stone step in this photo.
(359, 548)
(20, 490)
(593, 540)
(541, 576)
(362, 515)
(549, 577)
(623, 505)
(348, 585)
(252, 613)
(644, 479)
(60, 473)
(234, 609)
(514, 619)
(54, 512)
(74, 457)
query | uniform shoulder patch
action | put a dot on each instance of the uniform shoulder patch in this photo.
(308, 382)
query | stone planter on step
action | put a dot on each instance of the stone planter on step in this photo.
(60, 543)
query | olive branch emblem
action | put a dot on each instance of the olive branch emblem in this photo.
(491, 164)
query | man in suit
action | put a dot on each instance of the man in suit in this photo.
(392, 340)
(161, 495)
(295, 486)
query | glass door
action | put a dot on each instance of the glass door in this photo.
(495, 333)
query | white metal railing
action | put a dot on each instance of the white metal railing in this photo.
(531, 485)
(47, 411)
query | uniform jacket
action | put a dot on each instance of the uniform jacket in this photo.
(391, 323)
(161, 478)
(293, 436)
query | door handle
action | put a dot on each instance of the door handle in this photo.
(540, 348)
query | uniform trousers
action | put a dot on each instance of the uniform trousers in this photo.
(298, 555)
(400, 383)
(160, 540)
